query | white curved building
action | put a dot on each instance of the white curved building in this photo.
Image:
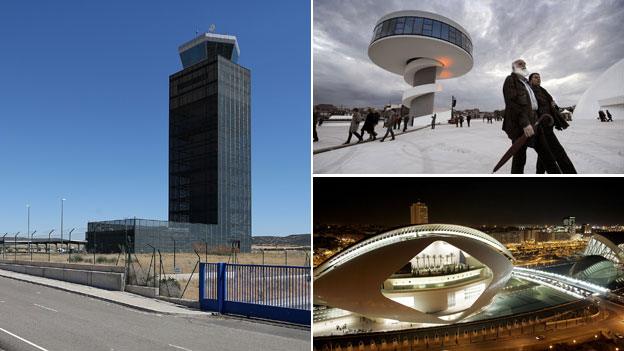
(607, 245)
(421, 46)
(432, 273)
(605, 93)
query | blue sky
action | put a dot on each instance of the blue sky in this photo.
(84, 107)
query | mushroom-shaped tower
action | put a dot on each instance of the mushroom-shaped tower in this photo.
(423, 47)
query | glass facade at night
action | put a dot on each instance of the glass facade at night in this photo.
(421, 26)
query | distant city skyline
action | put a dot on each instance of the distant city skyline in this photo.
(468, 201)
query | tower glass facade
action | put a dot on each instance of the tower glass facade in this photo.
(210, 141)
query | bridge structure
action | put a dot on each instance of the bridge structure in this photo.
(568, 285)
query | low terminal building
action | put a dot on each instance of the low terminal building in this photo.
(144, 235)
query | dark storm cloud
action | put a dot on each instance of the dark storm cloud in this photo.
(568, 42)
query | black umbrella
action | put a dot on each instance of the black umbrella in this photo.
(519, 143)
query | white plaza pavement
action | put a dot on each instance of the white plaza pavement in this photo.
(593, 147)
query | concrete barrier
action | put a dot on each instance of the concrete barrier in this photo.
(79, 266)
(108, 280)
(147, 291)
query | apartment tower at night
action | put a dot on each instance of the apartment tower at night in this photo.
(210, 138)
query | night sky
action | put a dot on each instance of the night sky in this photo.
(469, 201)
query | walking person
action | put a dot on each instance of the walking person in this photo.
(520, 116)
(369, 124)
(433, 118)
(461, 121)
(315, 118)
(390, 122)
(609, 117)
(602, 116)
(405, 121)
(547, 106)
(397, 121)
(468, 120)
(353, 128)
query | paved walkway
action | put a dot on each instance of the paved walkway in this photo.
(118, 297)
(593, 147)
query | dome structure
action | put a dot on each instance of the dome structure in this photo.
(421, 46)
(605, 93)
(432, 273)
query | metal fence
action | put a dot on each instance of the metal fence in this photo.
(272, 292)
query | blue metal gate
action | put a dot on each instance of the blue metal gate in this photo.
(273, 292)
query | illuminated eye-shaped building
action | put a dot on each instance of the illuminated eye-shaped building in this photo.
(422, 47)
(432, 273)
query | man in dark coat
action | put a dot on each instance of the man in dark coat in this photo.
(602, 116)
(520, 116)
(315, 118)
(610, 118)
(406, 118)
(433, 118)
(369, 124)
(546, 105)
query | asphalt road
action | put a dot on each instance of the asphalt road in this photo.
(38, 318)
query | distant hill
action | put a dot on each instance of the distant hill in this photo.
(290, 240)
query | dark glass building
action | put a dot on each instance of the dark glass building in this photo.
(210, 137)
(209, 156)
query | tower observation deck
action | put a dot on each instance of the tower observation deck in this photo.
(421, 46)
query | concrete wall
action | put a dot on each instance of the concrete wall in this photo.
(84, 267)
(147, 291)
(99, 279)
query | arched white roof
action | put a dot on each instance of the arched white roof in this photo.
(351, 280)
(410, 233)
(608, 86)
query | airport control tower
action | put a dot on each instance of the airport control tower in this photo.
(210, 138)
